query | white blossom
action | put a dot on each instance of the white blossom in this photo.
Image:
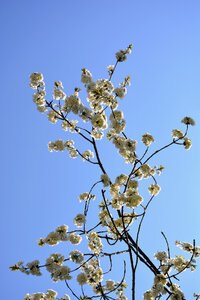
(36, 79)
(154, 189)
(188, 121)
(35, 296)
(61, 232)
(71, 125)
(99, 121)
(177, 134)
(72, 104)
(130, 145)
(114, 189)
(54, 261)
(52, 116)
(118, 141)
(161, 256)
(58, 94)
(110, 285)
(187, 143)
(85, 197)
(82, 278)
(121, 179)
(74, 239)
(85, 113)
(50, 295)
(79, 220)
(86, 76)
(147, 139)
(61, 273)
(34, 267)
(73, 153)
(133, 184)
(132, 199)
(76, 256)
(96, 134)
(58, 145)
(94, 242)
(120, 92)
(147, 171)
(116, 115)
(118, 127)
(105, 179)
(148, 296)
(87, 155)
(160, 278)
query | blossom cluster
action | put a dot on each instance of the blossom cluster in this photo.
(103, 96)
(194, 250)
(159, 288)
(110, 286)
(86, 197)
(179, 264)
(31, 267)
(94, 242)
(60, 235)
(60, 145)
(54, 265)
(99, 93)
(92, 273)
(50, 295)
(131, 197)
(79, 220)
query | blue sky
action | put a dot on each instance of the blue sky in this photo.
(39, 188)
